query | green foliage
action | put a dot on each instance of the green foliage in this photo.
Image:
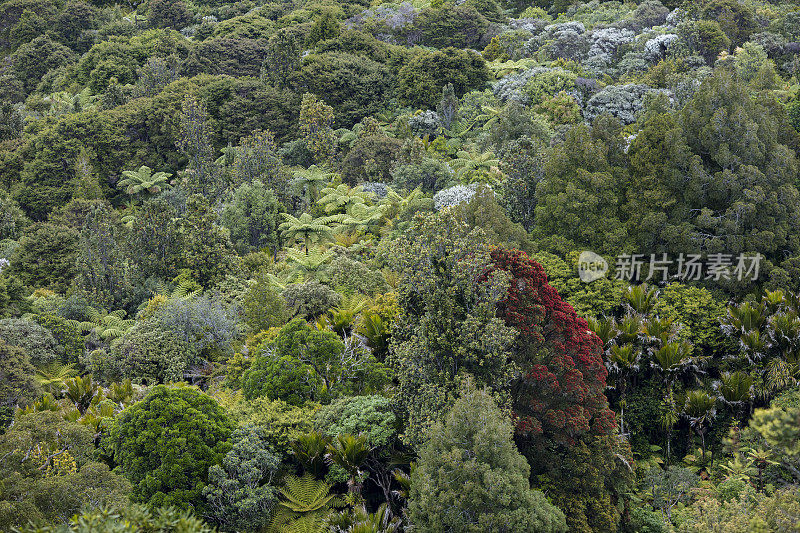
(166, 443)
(263, 306)
(281, 422)
(470, 477)
(697, 310)
(37, 341)
(207, 247)
(368, 415)
(252, 217)
(371, 159)
(240, 492)
(48, 474)
(316, 127)
(349, 276)
(602, 297)
(46, 257)
(310, 299)
(303, 363)
(305, 505)
(148, 354)
(420, 82)
(154, 242)
(17, 385)
(103, 276)
(126, 518)
(448, 327)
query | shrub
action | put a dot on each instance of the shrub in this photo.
(352, 277)
(371, 159)
(429, 174)
(310, 299)
(166, 443)
(421, 80)
(148, 354)
(65, 333)
(369, 415)
(37, 342)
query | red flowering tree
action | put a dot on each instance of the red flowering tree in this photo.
(558, 396)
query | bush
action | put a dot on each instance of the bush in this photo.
(310, 299)
(65, 333)
(454, 195)
(304, 364)
(37, 342)
(422, 79)
(281, 422)
(148, 354)
(289, 367)
(166, 443)
(46, 257)
(624, 102)
(240, 490)
(369, 415)
(252, 216)
(203, 324)
(352, 277)
(129, 519)
(263, 306)
(17, 385)
(371, 159)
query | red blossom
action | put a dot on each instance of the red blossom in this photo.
(563, 375)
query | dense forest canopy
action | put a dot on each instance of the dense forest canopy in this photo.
(433, 266)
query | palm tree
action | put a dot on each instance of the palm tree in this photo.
(359, 520)
(310, 179)
(671, 358)
(342, 198)
(341, 318)
(397, 204)
(309, 450)
(363, 216)
(641, 298)
(603, 328)
(376, 332)
(736, 388)
(700, 408)
(107, 326)
(143, 180)
(349, 452)
(83, 392)
(623, 361)
(308, 228)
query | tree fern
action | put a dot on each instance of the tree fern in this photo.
(306, 504)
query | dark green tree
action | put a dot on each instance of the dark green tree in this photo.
(166, 443)
(470, 477)
(207, 246)
(421, 80)
(252, 216)
(240, 492)
(46, 257)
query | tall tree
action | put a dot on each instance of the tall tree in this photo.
(470, 477)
